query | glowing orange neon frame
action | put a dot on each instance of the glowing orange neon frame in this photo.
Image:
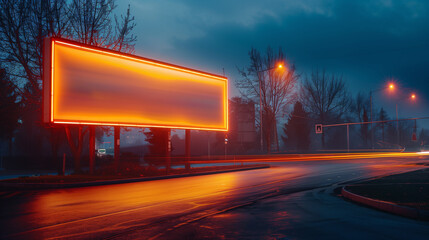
(50, 84)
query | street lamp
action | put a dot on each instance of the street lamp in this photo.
(412, 97)
(278, 66)
(391, 87)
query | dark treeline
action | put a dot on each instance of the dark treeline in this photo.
(318, 97)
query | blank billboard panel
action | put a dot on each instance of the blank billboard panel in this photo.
(94, 86)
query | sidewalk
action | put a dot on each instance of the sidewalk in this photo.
(53, 182)
(10, 174)
(405, 194)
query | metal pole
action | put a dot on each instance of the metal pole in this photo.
(260, 112)
(397, 126)
(117, 135)
(91, 149)
(208, 144)
(63, 172)
(168, 157)
(372, 131)
(415, 130)
(226, 142)
(188, 148)
(348, 139)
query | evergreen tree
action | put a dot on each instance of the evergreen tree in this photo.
(158, 141)
(382, 117)
(423, 137)
(364, 128)
(297, 130)
(9, 108)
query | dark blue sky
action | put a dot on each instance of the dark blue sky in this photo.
(367, 41)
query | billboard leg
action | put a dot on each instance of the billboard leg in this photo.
(117, 144)
(91, 149)
(63, 167)
(168, 157)
(188, 149)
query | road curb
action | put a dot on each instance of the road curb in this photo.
(41, 186)
(386, 206)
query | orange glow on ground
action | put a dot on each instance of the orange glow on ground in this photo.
(316, 157)
(94, 87)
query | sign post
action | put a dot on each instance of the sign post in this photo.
(187, 149)
(319, 128)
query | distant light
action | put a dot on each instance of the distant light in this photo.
(391, 86)
(413, 96)
(423, 152)
(280, 66)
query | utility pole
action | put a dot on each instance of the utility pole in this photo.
(260, 113)
(208, 144)
(397, 126)
(372, 130)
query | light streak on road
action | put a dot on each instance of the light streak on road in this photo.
(313, 157)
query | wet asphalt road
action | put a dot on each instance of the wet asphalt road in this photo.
(291, 200)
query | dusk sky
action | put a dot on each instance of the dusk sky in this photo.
(368, 42)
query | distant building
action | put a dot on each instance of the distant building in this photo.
(242, 131)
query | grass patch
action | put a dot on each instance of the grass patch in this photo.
(408, 189)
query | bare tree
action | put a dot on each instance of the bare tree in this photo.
(25, 23)
(274, 86)
(9, 109)
(91, 23)
(359, 105)
(325, 97)
(360, 109)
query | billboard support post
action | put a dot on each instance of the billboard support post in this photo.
(188, 149)
(91, 149)
(168, 157)
(116, 146)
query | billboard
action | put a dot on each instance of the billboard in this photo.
(94, 86)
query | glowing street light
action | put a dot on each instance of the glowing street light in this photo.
(412, 97)
(391, 87)
(278, 66)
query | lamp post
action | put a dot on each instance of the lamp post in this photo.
(279, 66)
(412, 97)
(391, 87)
